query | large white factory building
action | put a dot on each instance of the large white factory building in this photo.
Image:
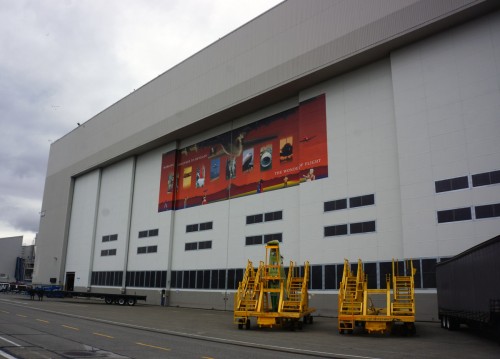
(344, 129)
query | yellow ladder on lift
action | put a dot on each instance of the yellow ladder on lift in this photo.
(351, 296)
(404, 291)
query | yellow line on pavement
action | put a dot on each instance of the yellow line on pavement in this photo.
(104, 335)
(67, 326)
(207, 358)
(43, 321)
(23, 316)
(153, 346)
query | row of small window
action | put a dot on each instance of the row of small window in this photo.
(322, 277)
(480, 179)
(147, 249)
(465, 214)
(140, 250)
(259, 239)
(199, 227)
(359, 201)
(351, 228)
(108, 252)
(266, 217)
(194, 246)
(148, 233)
(110, 237)
(147, 279)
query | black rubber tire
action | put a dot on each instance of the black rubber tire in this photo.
(108, 300)
(121, 301)
(131, 301)
(247, 324)
(454, 324)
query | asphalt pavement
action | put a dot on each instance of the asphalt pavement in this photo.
(320, 339)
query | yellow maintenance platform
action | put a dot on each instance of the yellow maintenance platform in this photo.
(271, 296)
(355, 302)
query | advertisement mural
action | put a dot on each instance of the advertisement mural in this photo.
(276, 152)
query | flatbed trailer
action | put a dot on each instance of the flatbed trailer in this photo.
(109, 298)
(468, 288)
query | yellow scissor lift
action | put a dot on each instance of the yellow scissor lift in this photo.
(355, 306)
(274, 298)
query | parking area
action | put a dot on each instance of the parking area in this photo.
(318, 339)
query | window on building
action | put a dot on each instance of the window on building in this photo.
(153, 232)
(429, 273)
(370, 270)
(222, 279)
(192, 246)
(143, 234)
(335, 205)
(385, 272)
(152, 249)
(454, 215)
(111, 278)
(330, 277)
(231, 277)
(451, 184)
(254, 218)
(108, 252)
(251, 240)
(205, 245)
(366, 200)
(214, 281)
(417, 278)
(199, 279)
(206, 226)
(199, 227)
(206, 279)
(487, 211)
(141, 250)
(485, 179)
(273, 237)
(338, 230)
(273, 216)
(110, 237)
(316, 277)
(362, 227)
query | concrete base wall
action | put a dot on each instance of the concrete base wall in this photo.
(325, 304)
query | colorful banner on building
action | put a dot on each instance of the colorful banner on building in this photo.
(276, 152)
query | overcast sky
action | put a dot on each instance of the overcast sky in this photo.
(64, 61)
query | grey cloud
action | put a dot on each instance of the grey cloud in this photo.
(62, 62)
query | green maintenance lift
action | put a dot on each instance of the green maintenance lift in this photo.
(355, 305)
(274, 298)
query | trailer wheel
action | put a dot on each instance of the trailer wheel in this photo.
(108, 300)
(454, 324)
(411, 329)
(121, 301)
(240, 323)
(131, 301)
(247, 324)
(443, 322)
